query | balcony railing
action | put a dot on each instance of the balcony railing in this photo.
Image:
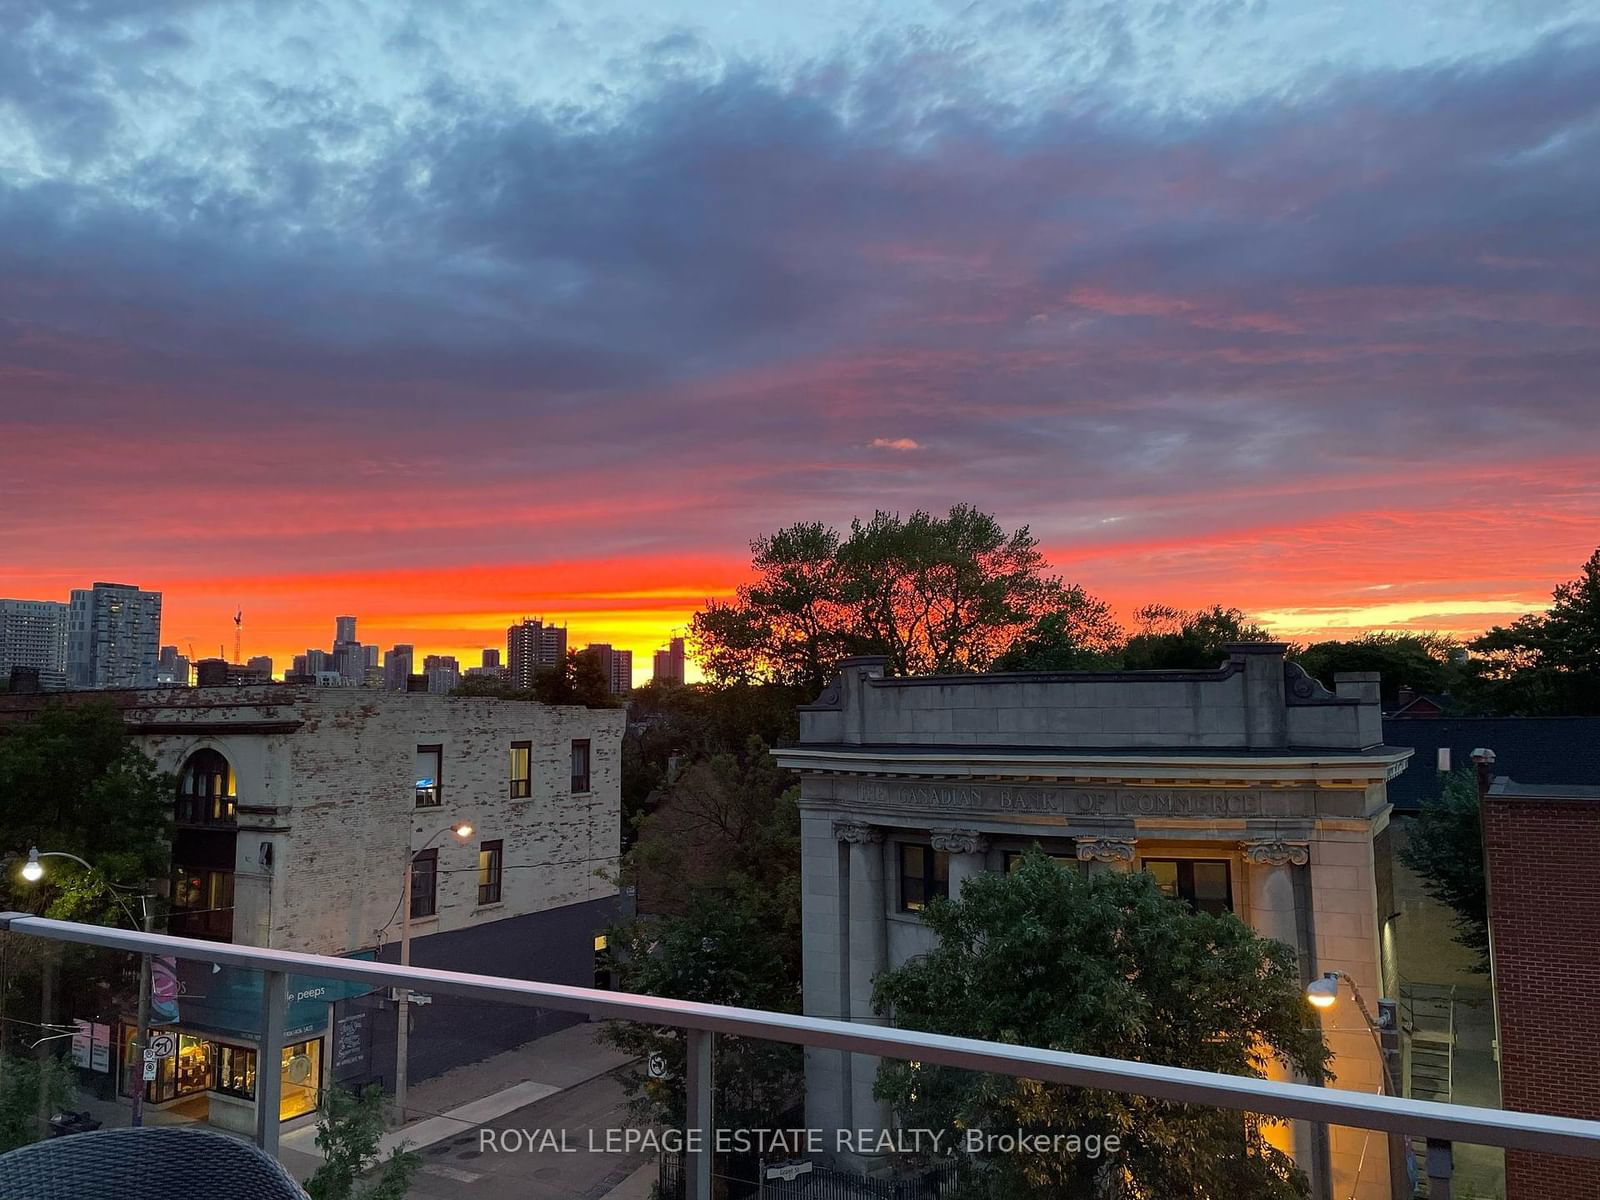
(1440, 1125)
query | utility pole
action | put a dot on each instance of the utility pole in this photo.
(402, 1041)
(141, 1037)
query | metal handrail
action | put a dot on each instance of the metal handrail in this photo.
(1439, 1123)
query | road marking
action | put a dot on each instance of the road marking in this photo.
(448, 1172)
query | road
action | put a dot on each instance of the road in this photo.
(464, 1168)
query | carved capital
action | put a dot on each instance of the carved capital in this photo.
(1106, 849)
(856, 832)
(959, 841)
(1275, 852)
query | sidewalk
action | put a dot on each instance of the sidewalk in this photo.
(452, 1104)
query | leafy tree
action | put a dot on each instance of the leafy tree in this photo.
(1549, 664)
(740, 947)
(933, 594)
(1101, 963)
(70, 780)
(348, 1132)
(1445, 849)
(1175, 640)
(29, 1088)
(578, 680)
(1424, 662)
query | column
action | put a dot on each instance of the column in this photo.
(969, 854)
(868, 955)
(1273, 913)
(1107, 853)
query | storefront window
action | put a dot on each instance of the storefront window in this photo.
(301, 1080)
(186, 1072)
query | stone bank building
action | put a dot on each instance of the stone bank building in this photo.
(295, 811)
(1250, 788)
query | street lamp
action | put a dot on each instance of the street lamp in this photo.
(33, 871)
(461, 830)
(1323, 993)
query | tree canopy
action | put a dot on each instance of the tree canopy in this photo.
(1545, 664)
(1101, 963)
(934, 594)
(1424, 662)
(1173, 639)
(1445, 849)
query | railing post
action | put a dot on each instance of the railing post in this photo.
(1440, 1164)
(269, 1060)
(698, 1157)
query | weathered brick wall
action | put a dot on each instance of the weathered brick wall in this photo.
(354, 818)
(1544, 914)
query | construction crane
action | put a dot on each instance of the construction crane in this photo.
(238, 631)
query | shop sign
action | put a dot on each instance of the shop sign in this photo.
(91, 1046)
(82, 1040)
(227, 1000)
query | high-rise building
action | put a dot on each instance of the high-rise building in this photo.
(261, 663)
(669, 663)
(350, 660)
(113, 636)
(316, 661)
(443, 672)
(531, 644)
(373, 656)
(33, 634)
(491, 658)
(344, 629)
(615, 665)
(397, 666)
(172, 668)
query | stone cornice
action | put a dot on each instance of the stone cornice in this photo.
(857, 832)
(1134, 765)
(1106, 849)
(1277, 852)
(958, 841)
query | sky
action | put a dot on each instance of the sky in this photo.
(443, 314)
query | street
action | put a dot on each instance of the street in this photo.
(457, 1169)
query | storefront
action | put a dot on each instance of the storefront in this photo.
(207, 1062)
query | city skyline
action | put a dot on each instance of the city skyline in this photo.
(1285, 308)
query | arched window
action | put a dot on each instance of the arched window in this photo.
(205, 790)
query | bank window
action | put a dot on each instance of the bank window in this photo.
(430, 766)
(521, 769)
(1204, 884)
(924, 876)
(580, 765)
(424, 884)
(1066, 861)
(489, 867)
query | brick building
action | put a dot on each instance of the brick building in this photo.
(296, 808)
(1541, 842)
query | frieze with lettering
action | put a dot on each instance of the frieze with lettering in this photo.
(1065, 802)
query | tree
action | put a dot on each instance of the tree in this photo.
(1549, 664)
(348, 1133)
(933, 594)
(1445, 849)
(1424, 662)
(30, 1087)
(740, 948)
(1101, 963)
(1172, 639)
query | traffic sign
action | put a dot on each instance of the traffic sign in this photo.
(162, 1045)
(149, 1069)
(658, 1066)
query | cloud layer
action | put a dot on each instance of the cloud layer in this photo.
(487, 311)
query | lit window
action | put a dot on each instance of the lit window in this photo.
(521, 769)
(1204, 884)
(490, 855)
(430, 766)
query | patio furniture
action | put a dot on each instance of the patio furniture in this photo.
(151, 1163)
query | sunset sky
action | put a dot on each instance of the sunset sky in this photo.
(445, 313)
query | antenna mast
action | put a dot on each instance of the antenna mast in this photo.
(238, 631)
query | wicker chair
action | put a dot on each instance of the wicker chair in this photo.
(152, 1163)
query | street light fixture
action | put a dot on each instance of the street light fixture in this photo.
(461, 830)
(33, 871)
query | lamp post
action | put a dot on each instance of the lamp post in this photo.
(1323, 993)
(462, 830)
(33, 871)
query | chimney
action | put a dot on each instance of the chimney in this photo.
(1404, 696)
(1483, 764)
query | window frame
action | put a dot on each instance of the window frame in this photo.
(496, 847)
(521, 786)
(436, 792)
(1013, 858)
(930, 884)
(1185, 879)
(587, 778)
(430, 857)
